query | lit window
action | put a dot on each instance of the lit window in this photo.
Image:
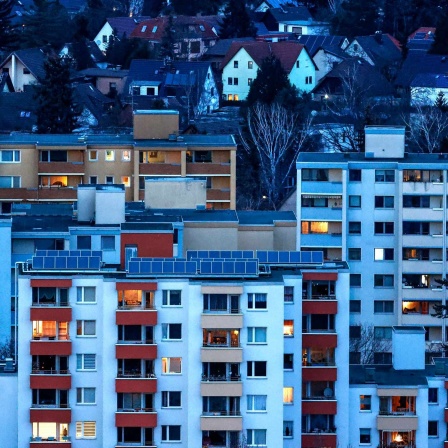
(85, 430)
(126, 156)
(288, 328)
(144, 28)
(230, 97)
(171, 365)
(288, 395)
(126, 181)
(310, 227)
(365, 402)
(384, 254)
(249, 81)
(110, 156)
(236, 97)
(154, 29)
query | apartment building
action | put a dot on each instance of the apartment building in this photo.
(204, 350)
(384, 212)
(46, 167)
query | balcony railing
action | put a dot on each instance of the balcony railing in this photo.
(50, 372)
(330, 363)
(397, 413)
(136, 307)
(147, 341)
(222, 413)
(224, 344)
(319, 431)
(317, 397)
(221, 377)
(319, 297)
(43, 337)
(136, 409)
(49, 303)
(135, 374)
(50, 404)
(396, 445)
(222, 311)
(50, 439)
(137, 444)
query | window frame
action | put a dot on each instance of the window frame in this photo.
(166, 436)
(80, 427)
(354, 201)
(93, 155)
(251, 403)
(81, 396)
(166, 398)
(109, 155)
(358, 308)
(352, 278)
(110, 238)
(365, 403)
(381, 176)
(353, 175)
(82, 357)
(81, 294)
(351, 251)
(252, 367)
(84, 239)
(365, 436)
(288, 395)
(166, 331)
(166, 297)
(166, 365)
(383, 280)
(81, 325)
(252, 301)
(386, 254)
(431, 399)
(384, 305)
(435, 424)
(16, 156)
(354, 231)
(252, 334)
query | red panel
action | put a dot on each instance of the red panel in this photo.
(319, 407)
(51, 415)
(446, 415)
(445, 444)
(58, 314)
(52, 444)
(446, 384)
(48, 282)
(319, 307)
(148, 244)
(62, 382)
(131, 286)
(138, 419)
(319, 374)
(320, 275)
(131, 385)
(319, 340)
(319, 441)
(61, 348)
(136, 351)
(136, 317)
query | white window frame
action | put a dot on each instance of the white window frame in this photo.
(81, 359)
(166, 299)
(85, 427)
(252, 405)
(92, 178)
(81, 393)
(379, 254)
(253, 438)
(81, 295)
(166, 365)
(253, 369)
(84, 325)
(107, 182)
(14, 181)
(252, 300)
(93, 155)
(166, 433)
(15, 156)
(166, 396)
(126, 155)
(109, 155)
(126, 181)
(107, 238)
(252, 334)
(166, 332)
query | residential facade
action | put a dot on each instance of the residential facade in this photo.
(383, 212)
(50, 167)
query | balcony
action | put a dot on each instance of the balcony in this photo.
(207, 169)
(321, 240)
(319, 438)
(135, 350)
(318, 187)
(415, 214)
(320, 306)
(48, 415)
(428, 241)
(220, 320)
(222, 421)
(50, 346)
(218, 195)
(320, 339)
(434, 266)
(221, 354)
(321, 213)
(51, 311)
(45, 442)
(433, 188)
(224, 386)
(130, 382)
(410, 293)
(318, 407)
(319, 373)
(45, 168)
(38, 194)
(50, 379)
(396, 421)
(138, 417)
(157, 169)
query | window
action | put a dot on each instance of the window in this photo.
(171, 332)
(93, 156)
(384, 202)
(235, 64)
(256, 335)
(249, 81)
(235, 81)
(384, 176)
(85, 430)
(288, 429)
(26, 71)
(355, 331)
(365, 402)
(433, 395)
(9, 181)
(53, 156)
(85, 395)
(384, 254)
(433, 428)
(107, 242)
(250, 65)
(85, 294)
(382, 358)
(86, 362)
(288, 361)
(355, 280)
(256, 403)
(171, 433)
(383, 306)
(110, 155)
(384, 228)
(382, 332)
(171, 365)
(288, 294)
(288, 395)
(354, 201)
(109, 180)
(354, 358)
(126, 155)
(85, 327)
(126, 181)
(230, 82)
(288, 328)
(354, 175)
(416, 201)
(256, 368)
(354, 254)
(84, 242)
(297, 64)
(383, 281)
(308, 79)
(314, 175)
(354, 227)
(9, 156)
(364, 435)
(355, 306)
(171, 298)
(256, 437)
(257, 301)
(313, 227)
(171, 399)
(93, 180)
(104, 39)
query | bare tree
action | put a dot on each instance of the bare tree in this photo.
(277, 137)
(428, 126)
(367, 344)
(7, 349)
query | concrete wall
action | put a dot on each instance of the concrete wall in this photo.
(8, 411)
(385, 141)
(155, 124)
(202, 236)
(5, 281)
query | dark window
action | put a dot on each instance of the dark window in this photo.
(319, 175)
(384, 176)
(354, 358)
(230, 81)
(354, 254)
(355, 280)
(235, 64)
(415, 201)
(355, 332)
(195, 47)
(354, 201)
(354, 175)
(384, 202)
(383, 281)
(433, 428)
(256, 368)
(235, 81)
(415, 228)
(355, 306)
(383, 306)
(382, 358)
(385, 228)
(364, 435)
(84, 242)
(433, 395)
(288, 361)
(354, 227)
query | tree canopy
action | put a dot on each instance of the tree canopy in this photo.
(6, 29)
(440, 45)
(56, 112)
(122, 51)
(236, 21)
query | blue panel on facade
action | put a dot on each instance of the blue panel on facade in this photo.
(217, 267)
(145, 267)
(248, 254)
(190, 267)
(294, 257)
(83, 262)
(94, 263)
(272, 257)
(75, 253)
(306, 257)
(38, 262)
(49, 262)
(228, 267)
(317, 257)
(168, 267)
(262, 256)
(134, 267)
(61, 263)
(206, 267)
(72, 262)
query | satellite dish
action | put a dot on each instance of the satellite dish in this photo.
(328, 393)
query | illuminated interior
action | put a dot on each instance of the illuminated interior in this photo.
(415, 307)
(310, 227)
(133, 299)
(221, 337)
(50, 431)
(288, 328)
(50, 330)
